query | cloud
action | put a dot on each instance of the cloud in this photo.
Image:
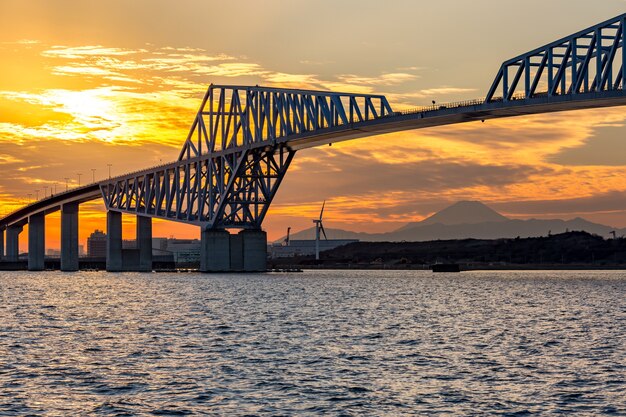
(82, 70)
(291, 80)
(110, 114)
(604, 147)
(10, 160)
(612, 201)
(25, 42)
(352, 174)
(311, 62)
(385, 79)
(79, 52)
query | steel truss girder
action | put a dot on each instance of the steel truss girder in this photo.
(232, 117)
(243, 138)
(223, 190)
(591, 60)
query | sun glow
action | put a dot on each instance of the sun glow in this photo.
(94, 109)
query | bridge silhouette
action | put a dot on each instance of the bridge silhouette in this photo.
(244, 138)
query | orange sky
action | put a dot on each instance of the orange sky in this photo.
(83, 85)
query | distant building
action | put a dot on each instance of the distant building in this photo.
(185, 251)
(159, 243)
(305, 247)
(97, 244)
(56, 253)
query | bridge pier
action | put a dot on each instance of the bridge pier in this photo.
(69, 237)
(254, 243)
(222, 252)
(214, 251)
(236, 252)
(13, 242)
(144, 243)
(114, 241)
(36, 241)
(1, 244)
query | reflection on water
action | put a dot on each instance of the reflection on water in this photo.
(316, 343)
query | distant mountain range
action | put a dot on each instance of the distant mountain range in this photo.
(467, 219)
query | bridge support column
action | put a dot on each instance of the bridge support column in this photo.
(1, 244)
(254, 244)
(236, 253)
(144, 243)
(36, 241)
(69, 237)
(214, 251)
(114, 241)
(13, 243)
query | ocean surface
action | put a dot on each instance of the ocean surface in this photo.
(327, 343)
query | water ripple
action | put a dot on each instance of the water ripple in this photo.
(342, 343)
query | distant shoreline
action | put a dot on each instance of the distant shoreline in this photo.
(566, 251)
(463, 267)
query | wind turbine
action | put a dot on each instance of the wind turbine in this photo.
(319, 226)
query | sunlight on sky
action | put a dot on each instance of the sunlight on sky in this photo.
(126, 96)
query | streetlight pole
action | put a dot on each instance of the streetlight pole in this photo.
(109, 165)
(45, 191)
(66, 185)
(93, 175)
(79, 174)
(30, 197)
(36, 194)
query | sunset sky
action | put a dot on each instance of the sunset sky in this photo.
(84, 84)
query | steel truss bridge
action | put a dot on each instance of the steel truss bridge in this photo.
(244, 138)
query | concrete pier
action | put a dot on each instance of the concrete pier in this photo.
(114, 241)
(214, 251)
(236, 253)
(144, 243)
(69, 237)
(1, 244)
(13, 243)
(36, 241)
(254, 250)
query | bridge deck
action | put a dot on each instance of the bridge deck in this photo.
(51, 204)
(447, 114)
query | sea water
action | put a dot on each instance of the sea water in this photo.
(342, 343)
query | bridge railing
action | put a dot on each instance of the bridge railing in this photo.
(479, 102)
(47, 199)
(456, 104)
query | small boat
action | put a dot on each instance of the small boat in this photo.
(445, 268)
